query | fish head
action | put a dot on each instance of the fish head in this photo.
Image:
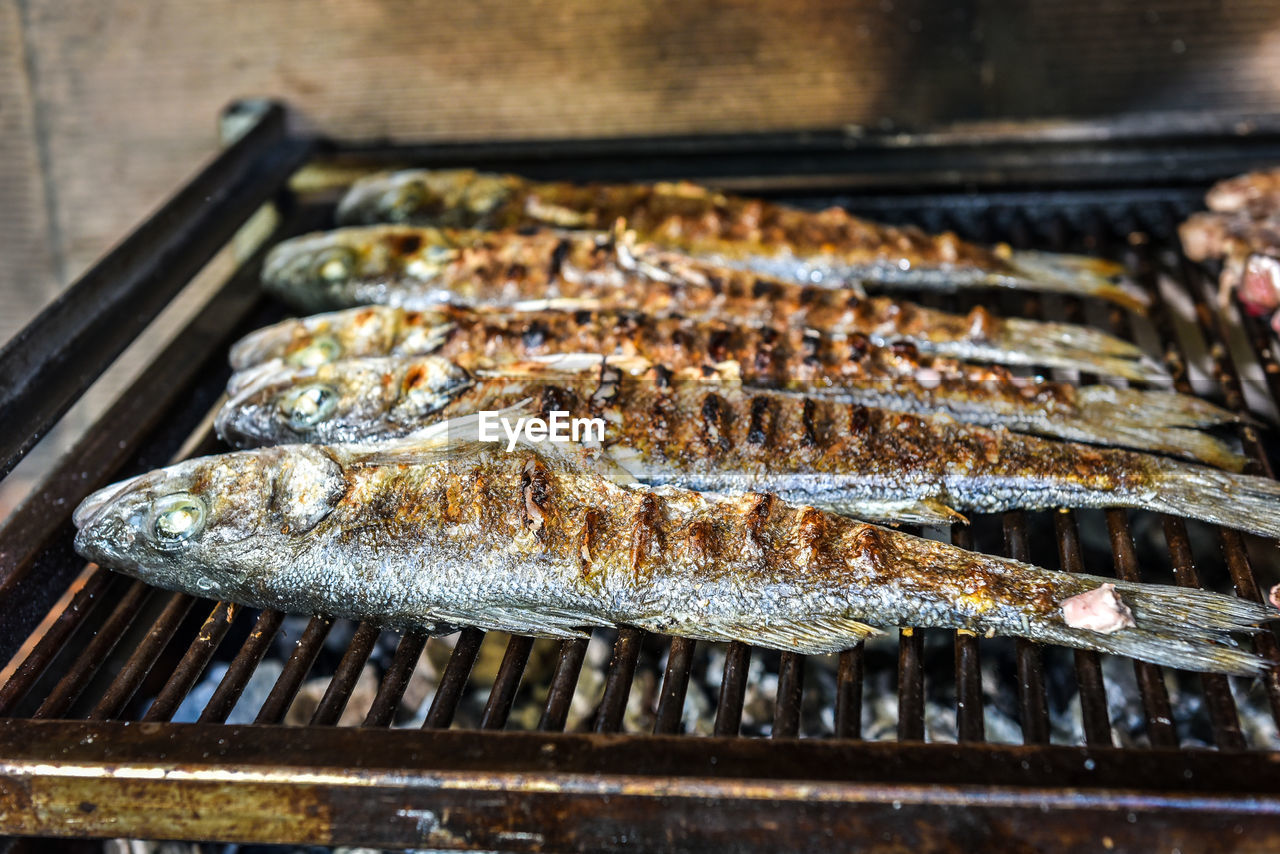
(211, 526)
(450, 198)
(371, 330)
(325, 269)
(346, 401)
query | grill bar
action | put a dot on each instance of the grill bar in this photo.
(97, 584)
(338, 693)
(193, 663)
(396, 680)
(295, 670)
(563, 683)
(910, 685)
(849, 672)
(675, 686)
(444, 705)
(617, 686)
(84, 638)
(233, 683)
(144, 428)
(1033, 705)
(733, 689)
(86, 665)
(1093, 694)
(1155, 696)
(507, 682)
(970, 726)
(849, 790)
(126, 684)
(786, 720)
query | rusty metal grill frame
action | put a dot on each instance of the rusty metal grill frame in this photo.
(93, 765)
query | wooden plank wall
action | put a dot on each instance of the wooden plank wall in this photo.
(106, 106)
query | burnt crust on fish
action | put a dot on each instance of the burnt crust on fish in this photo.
(505, 270)
(830, 247)
(847, 367)
(411, 534)
(719, 436)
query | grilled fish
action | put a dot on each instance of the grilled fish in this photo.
(829, 247)
(416, 268)
(847, 368)
(420, 534)
(662, 428)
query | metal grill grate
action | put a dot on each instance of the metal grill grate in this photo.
(113, 650)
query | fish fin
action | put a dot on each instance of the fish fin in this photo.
(1080, 275)
(1017, 341)
(807, 635)
(1153, 408)
(445, 439)
(1241, 501)
(1184, 628)
(906, 511)
(537, 622)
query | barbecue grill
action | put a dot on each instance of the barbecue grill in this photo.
(100, 664)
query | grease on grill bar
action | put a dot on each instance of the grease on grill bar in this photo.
(157, 656)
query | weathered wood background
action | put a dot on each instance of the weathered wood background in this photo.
(106, 106)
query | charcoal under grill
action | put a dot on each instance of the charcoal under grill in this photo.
(100, 665)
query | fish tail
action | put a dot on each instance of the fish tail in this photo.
(1060, 345)
(1152, 421)
(1177, 627)
(1246, 502)
(1079, 275)
(1155, 408)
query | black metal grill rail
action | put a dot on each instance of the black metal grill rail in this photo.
(112, 649)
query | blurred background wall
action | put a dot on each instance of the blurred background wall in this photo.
(106, 106)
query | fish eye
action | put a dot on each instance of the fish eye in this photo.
(177, 518)
(335, 264)
(319, 351)
(309, 405)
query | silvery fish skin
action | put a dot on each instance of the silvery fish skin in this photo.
(420, 268)
(425, 533)
(829, 247)
(718, 436)
(849, 368)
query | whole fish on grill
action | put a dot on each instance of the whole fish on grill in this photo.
(418, 268)
(429, 533)
(829, 247)
(848, 368)
(663, 428)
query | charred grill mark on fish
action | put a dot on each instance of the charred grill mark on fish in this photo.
(830, 247)
(472, 269)
(839, 367)
(725, 437)
(426, 534)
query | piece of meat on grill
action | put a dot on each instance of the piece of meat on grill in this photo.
(1255, 193)
(1249, 248)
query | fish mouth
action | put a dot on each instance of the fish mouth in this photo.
(92, 506)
